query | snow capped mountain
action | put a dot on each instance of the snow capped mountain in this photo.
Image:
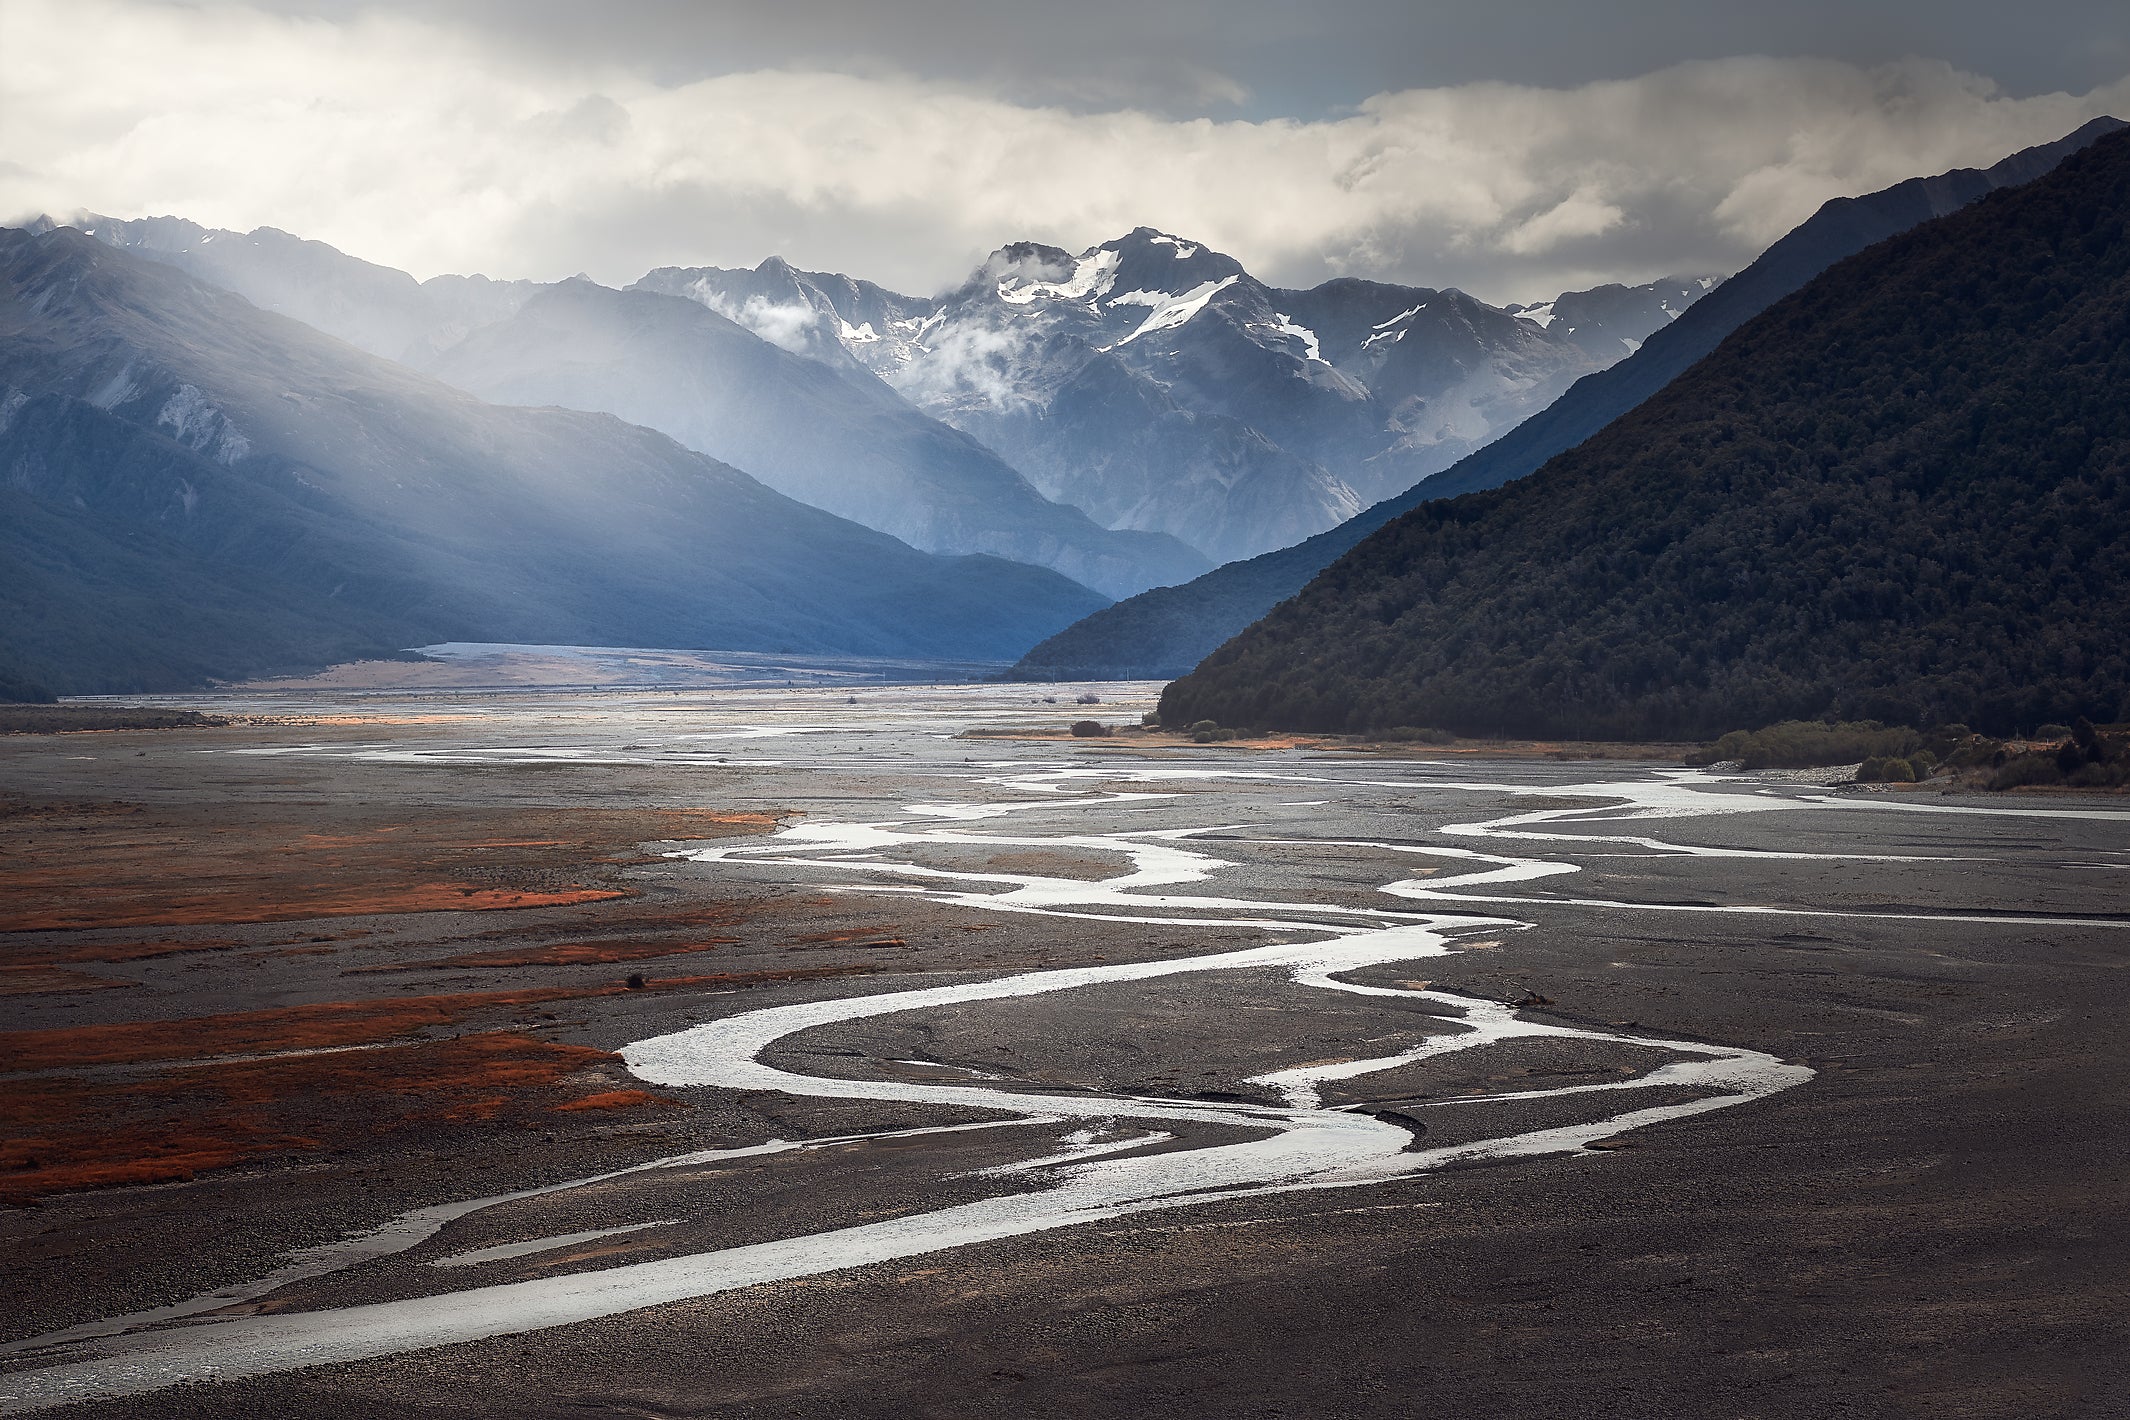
(198, 488)
(832, 318)
(1156, 384)
(741, 382)
(840, 441)
(1149, 383)
(1611, 322)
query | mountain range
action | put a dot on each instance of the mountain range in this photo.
(1068, 425)
(846, 444)
(1128, 435)
(1898, 492)
(1167, 631)
(1156, 384)
(196, 488)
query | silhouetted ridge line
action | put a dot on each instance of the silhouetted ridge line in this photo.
(1899, 493)
(1171, 629)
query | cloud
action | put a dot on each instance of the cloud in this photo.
(419, 144)
(969, 366)
(1580, 214)
(789, 327)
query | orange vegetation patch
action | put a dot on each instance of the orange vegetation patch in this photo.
(684, 919)
(821, 941)
(62, 1135)
(617, 1099)
(560, 954)
(43, 980)
(347, 1084)
(98, 865)
(326, 1026)
(119, 951)
(183, 909)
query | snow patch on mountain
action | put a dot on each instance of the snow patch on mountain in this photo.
(1541, 315)
(1170, 310)
(1283, 327)
(1091, 277)
(199, 426)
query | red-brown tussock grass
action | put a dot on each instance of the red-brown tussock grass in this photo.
(323, 1026)
(617, 1099)
(61, 1135)
(294, 903)
(83, 865)
(333, 1023)
(557, 954)
(45, 980)
(113, 951)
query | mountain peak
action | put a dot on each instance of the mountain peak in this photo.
(1152, 260)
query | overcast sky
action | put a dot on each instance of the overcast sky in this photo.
(1514, 148)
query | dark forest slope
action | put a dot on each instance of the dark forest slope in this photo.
(1902, 492)
(1166, 631)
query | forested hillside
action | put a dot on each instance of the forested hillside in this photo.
(1899, 493)
(1167, 631)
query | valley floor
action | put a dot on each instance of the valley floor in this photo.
(795, 1053)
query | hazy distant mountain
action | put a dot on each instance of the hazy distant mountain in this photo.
(1154, 383)
(1900, 492)
(1611, 322)
(836, 319)
(1167, 631)
(197, 488)
(850, 446)
(375, 308)
(845, 443)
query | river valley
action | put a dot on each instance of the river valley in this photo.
(859, 1064)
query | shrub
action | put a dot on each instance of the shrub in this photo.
(1810, 744)
(1089, 729)
(17, 690)
(1151, 720)
(1900, 771)
(1416, 734)
(1871, 771)
(2053, 732)
(2090, 743)
(2027, 769)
